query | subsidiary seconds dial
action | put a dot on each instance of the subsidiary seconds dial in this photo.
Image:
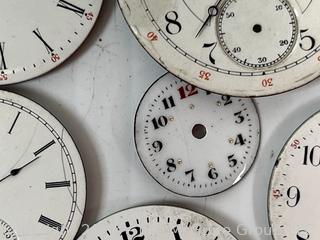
(157, 223)
(195, 143)
(39, 35)
(294, 210)
(238, 48)
(253, 40)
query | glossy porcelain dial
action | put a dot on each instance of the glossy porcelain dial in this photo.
(239, 48)
(157, 222)
(259, 43)
(193, 142)
(39, 35)
(42, 181)
(293, 195)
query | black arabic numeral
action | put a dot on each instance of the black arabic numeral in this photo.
(240, 140)
(304, 45)
(168, 103)
(174, 26)
(240, 117)
(209, 45)
(135, 233)
(293, 194)
(232, 161)
(213, 174)
(162, 121)
(190, 172)
(313, 157)
(227, 100)
(157, 145)
(172, 167)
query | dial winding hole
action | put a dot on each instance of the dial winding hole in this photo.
(257, 28)
(199, 131)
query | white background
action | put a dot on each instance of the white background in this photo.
(95, 95)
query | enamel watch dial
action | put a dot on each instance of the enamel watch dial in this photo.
(239, 48)
(39, 35)
(42, 181)
(293, 196)
(193, 142)
(249, 51)
(157, 223)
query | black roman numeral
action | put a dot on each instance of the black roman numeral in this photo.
(57, 184)
(44, 148)
(50, 223)
(14, 122)
(49, 49)
(3, 65)
(69, 6)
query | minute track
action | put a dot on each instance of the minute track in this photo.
(292, 200)
(157, 222)
(265, 44)
(32, 182)
(48, 44)
(292, 62)
(226, 71)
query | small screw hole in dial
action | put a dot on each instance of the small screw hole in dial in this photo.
(199, 131)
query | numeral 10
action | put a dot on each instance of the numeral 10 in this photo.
(312, 156)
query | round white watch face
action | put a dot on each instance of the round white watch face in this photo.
(42, 180)
(157, 223)
(239, 48)
(272, 42)
(193, 142)
(40, 35)
(293, 195)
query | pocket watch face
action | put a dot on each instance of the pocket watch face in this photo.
(193, 142)
(35, 42)
(42, 181)
(157, 222)
(293, 195)
(241, 48)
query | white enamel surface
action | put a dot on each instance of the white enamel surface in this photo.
(23, 54)
(250, 38)
(26, 197)
(173, 43)
(157, 222)
(96, 94)
(178, 158)
(293, 196)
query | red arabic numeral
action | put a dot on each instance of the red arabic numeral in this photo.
(89, 16)
(295, 144)
(55, 57)
(3, 77)
(152, 36)
(268, 82)
(205, 75)
(276, 194)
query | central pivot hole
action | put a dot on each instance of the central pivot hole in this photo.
(199, 131)
(257, 28)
